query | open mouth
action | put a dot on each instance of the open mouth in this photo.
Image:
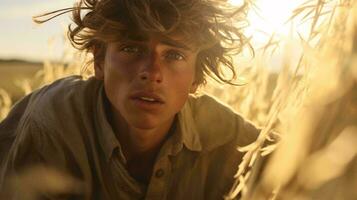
(149, 100)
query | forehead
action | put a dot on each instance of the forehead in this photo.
(175, 40)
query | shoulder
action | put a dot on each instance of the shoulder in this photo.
(66, 88)
(219, 125)
(64, 98)
(62, 108)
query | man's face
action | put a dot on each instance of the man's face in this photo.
(148, 81)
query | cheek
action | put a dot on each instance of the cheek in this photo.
(117, 65)
(185, 77)
(180, 86)
(117, 77)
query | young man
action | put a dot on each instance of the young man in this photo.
(133, 131)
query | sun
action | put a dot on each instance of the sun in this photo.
(269, 17)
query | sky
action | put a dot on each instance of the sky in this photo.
(21, 38)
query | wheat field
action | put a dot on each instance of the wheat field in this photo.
(307, 110)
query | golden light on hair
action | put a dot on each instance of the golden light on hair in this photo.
(271, 17)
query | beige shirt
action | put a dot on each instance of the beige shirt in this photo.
(64, 125)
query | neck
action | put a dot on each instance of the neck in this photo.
(143, 142)
(139, 143)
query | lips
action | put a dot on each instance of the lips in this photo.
(148, 97)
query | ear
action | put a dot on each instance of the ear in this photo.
(98, 60)
(193, 88)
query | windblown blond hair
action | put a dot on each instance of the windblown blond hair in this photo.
(213, 26)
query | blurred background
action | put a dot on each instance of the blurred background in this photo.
(24, 40)
(300, 87)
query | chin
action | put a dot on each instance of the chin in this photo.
(144, 123)
(145, 126)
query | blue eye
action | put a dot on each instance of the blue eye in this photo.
(131, 49)
(173, 55)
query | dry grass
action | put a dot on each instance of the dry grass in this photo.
(5, 103)
(13, 73)
(30, 79)
(314, 109)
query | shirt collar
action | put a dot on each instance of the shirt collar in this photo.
(187, 131)
(106, 135)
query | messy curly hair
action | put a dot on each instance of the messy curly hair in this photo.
(212, 26)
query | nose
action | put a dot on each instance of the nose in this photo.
(151, 70)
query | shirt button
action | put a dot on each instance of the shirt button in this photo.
(159, 173)
(125, 188)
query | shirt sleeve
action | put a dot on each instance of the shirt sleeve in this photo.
(9, 125)
(35, 165)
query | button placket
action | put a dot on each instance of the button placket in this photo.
(158, 183)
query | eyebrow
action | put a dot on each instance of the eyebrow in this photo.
(176, 44)
(138, 38)
(165, 41)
